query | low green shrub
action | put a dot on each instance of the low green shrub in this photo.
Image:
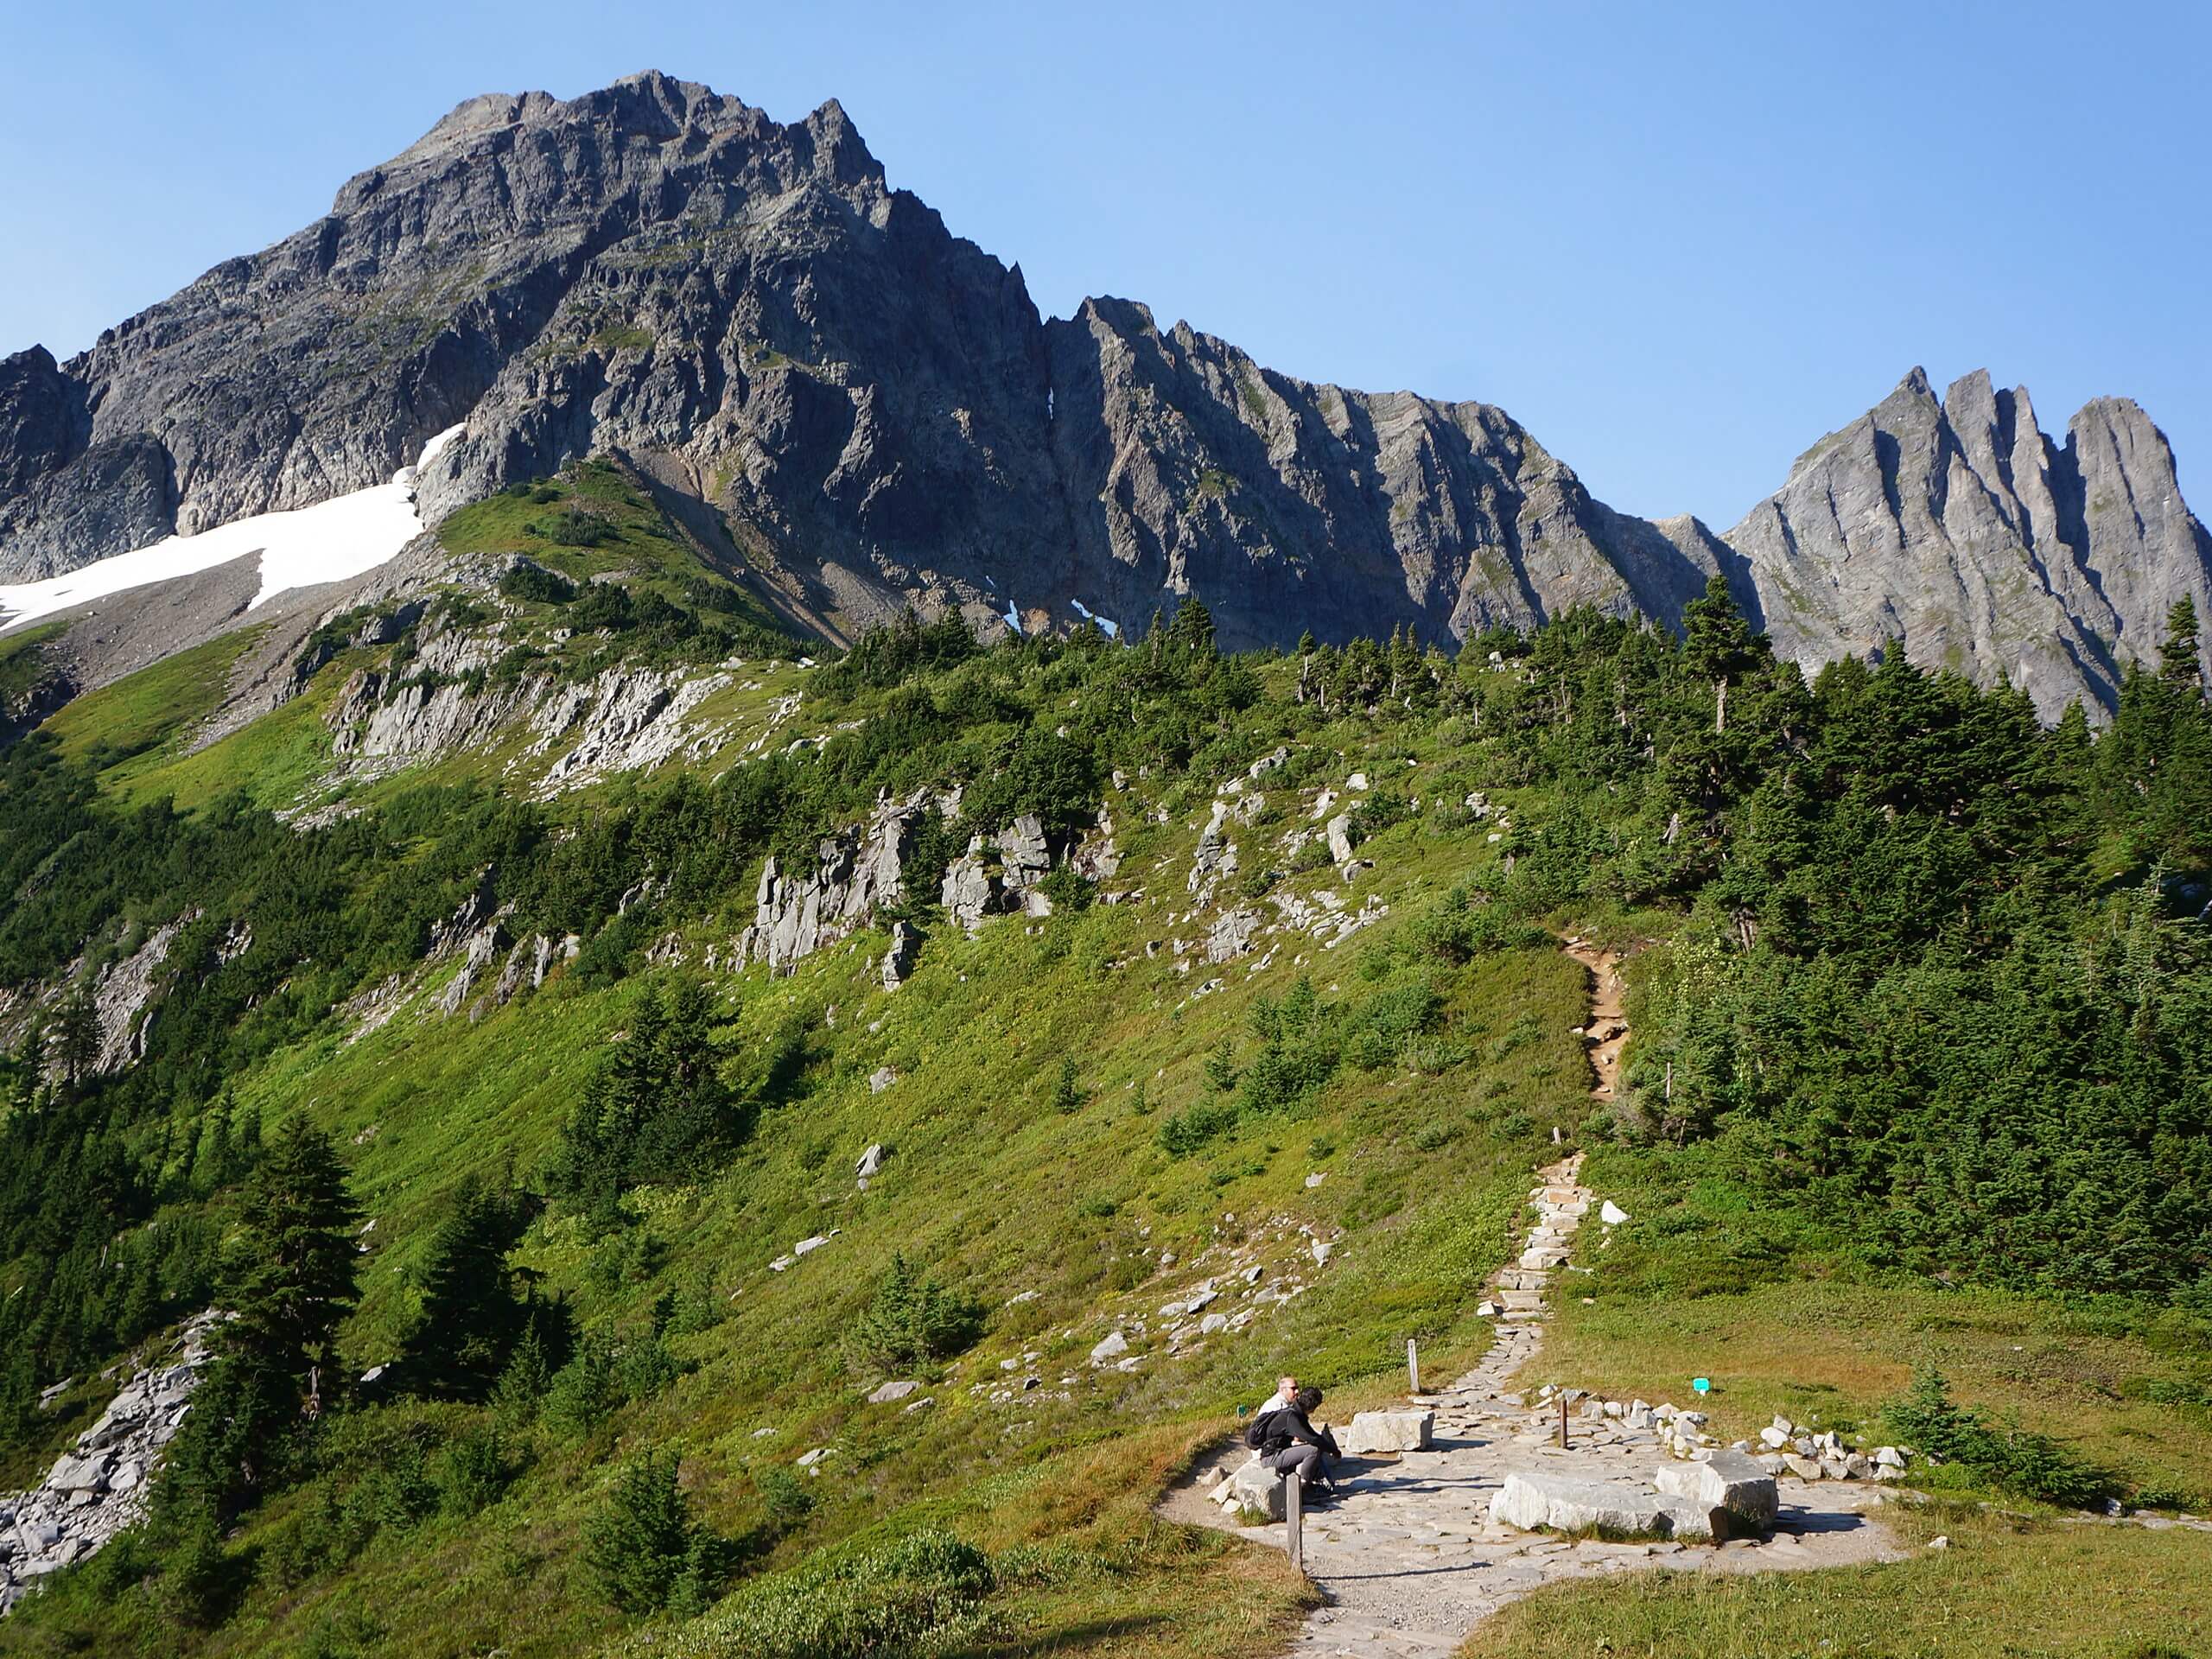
(2004, 1455)
(1180, 1134)
(927, 1595)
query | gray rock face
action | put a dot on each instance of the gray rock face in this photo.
(750, 312)
(1961, 532)
(857, 870)
(898, 958)
(123, 991)
(971, 891)
(99, 1490)
(826, 384)
(1189, 468)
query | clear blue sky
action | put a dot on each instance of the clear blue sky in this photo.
(1678, 242)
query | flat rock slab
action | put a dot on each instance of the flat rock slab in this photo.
(1568, 1503)
(1371, 1432)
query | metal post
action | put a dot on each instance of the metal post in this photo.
(1294, 1510)
(1562, 1422)
(1413, 1366)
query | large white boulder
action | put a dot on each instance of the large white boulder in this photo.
(1256, 1486)
(1731, 1485)
(1389, 1431)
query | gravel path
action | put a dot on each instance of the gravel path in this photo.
(1409, 1561)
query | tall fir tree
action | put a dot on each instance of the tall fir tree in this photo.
(2180, 657)
(471, 1316)
(1718, 642)
(292, 1280)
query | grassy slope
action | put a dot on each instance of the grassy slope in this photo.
(146, 717)
(2002, 1590)
(997, 1192)
(21, 664)
(1001, 1194)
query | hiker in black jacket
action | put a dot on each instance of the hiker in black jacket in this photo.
(1295, 1445)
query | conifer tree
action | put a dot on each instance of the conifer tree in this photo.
(292, 1280)
(471, 1318)
(1192, 628)
(1718, 643)
(298, 1276)
(644, 1548)
(78, 1040)
(2178, 657)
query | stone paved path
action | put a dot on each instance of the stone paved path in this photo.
(1408, 1561)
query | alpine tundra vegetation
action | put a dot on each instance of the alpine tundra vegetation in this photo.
(752, 1044)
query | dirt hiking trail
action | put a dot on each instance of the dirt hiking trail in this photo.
(1408, 1561)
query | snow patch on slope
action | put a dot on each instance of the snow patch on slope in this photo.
(1107, 625)
(327, 541)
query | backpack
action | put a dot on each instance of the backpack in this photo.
(1257, 1433)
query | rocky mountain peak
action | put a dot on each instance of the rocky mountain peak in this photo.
(865, 411)
(1959, 530)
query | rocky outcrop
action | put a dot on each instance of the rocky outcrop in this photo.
(1957, 532)
(978, 887)
(632, 720)
(100, 1489)
(1187, 467)
(970, 893)
(123, 991)
(627, 718)
(482, 949)
(899, 960)
(856, 872)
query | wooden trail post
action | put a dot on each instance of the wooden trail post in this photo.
(1294, 1515)
(1563, 1422)
(1413, 1366)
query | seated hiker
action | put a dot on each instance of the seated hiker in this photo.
(1286, 1392)
(1295, 1445)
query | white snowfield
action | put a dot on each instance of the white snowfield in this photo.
(328, 542)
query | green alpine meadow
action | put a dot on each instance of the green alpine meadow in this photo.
(716, 946)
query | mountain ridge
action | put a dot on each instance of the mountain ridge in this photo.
(864, 410)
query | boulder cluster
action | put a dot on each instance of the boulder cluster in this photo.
(1815, 1454)
(1682, 1433)
(1783, 1449)
(99, 1489)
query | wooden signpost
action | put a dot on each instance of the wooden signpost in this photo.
(1293, 1514)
